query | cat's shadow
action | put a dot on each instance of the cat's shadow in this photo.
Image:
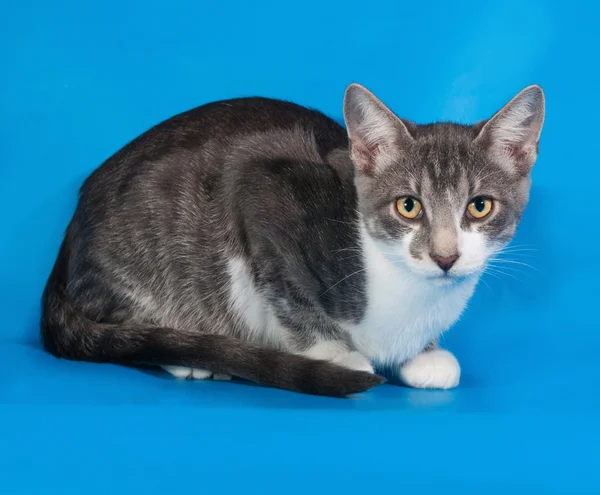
(238, 392)
(242, 393)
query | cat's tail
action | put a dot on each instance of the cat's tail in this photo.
(69, 334)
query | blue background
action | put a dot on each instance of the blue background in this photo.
(79, 80)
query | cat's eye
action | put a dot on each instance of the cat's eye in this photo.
(480, 207)
(409, 207)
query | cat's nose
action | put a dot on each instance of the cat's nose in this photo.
(445, 262)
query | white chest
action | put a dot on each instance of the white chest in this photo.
(404, 312)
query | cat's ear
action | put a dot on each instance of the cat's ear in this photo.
(511, 136)
(376, 135)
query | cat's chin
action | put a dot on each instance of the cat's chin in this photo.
(449, 279)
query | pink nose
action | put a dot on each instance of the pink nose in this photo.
(445, 262)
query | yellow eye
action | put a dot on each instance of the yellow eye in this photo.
(409, 207)
(480, 207)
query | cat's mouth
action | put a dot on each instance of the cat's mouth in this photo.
(450, 279)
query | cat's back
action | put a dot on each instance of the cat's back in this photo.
(223, 122)
(190, 158)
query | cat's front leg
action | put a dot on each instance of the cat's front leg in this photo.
(433, 368)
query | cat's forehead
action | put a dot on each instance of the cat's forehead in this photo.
(445, 161)
(445, 151)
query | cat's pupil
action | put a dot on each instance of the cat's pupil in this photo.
(479, 204)
(409, 204)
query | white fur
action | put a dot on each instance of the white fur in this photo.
(338, 353)
(406, 310)
(355, 361)
(326, 350)
(252, 308)
(474, 251)
(432, 369)
(184, 373)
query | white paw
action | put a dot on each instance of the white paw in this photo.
(355, 361)
(184, 373)
(432, 369)
(198, 374)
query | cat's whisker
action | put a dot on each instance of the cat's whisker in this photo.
(358, 255)
(519, 248)
(535, 247)
(492, 272)
(485, 282)
(509, 249)
(505, 260)
(335, 251)
(492, 269)
(499, 266)
(516, 254)
(394, 255)
(338, 221)
(517, 271)
(340, 281)
(360, 251)
(514, 262)
(399, 263)
(523, 253)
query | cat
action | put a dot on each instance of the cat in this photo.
(259, 239)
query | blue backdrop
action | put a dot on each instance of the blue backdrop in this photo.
(79, 80)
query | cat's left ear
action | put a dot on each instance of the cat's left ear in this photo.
(376, 135)
(511, 136)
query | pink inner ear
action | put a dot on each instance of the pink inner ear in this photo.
(522, 156)
(515, 152)
(372, 148)
(365, 156)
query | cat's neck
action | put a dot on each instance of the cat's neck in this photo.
(405, 311)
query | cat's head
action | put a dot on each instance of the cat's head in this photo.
(441, 199)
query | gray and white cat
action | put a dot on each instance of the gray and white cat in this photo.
(258, 238)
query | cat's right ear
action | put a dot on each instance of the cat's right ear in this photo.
(376, 135)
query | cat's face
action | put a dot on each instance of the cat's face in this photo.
(442, 199)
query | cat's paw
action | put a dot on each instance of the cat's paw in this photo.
(432, 369)
(355, 361)
(184, 373)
